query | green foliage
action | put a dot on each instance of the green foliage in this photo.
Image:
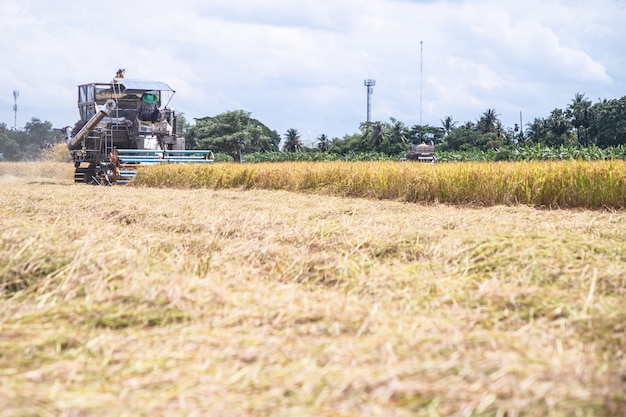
(581, 124)
(608, 123)
(233, 132)
(462, 139)
(9, 147)
(505, 153)
(293, 143)
(315, 156)
(390, 139)
(32, 143)
(579, 114)
(559, 129)
(536, 153)
(182, 125)
(355, 142)
(489, 122)
(222, 157)
(374, 134)
(324, 143)
(486, 134)
(474, 155)
(448, 124)
(582, 130)
(426, 133)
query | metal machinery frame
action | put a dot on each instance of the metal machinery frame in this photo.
(111, 139)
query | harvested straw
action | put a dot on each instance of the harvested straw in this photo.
(136, 301)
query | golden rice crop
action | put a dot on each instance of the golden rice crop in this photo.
(562, 184)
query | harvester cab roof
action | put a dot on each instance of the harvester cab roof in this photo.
(126, 93)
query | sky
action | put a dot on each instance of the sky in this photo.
(302, 65)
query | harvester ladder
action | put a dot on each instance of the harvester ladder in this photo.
(108, 141)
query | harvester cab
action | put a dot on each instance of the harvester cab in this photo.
(123, 124)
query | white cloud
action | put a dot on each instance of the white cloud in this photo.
(302, 64)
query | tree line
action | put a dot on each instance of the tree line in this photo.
(31, 143)
(232, 134)
(581, 124)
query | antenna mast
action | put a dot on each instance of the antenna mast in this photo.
(421, 72)
(16, 94)
(369, 83)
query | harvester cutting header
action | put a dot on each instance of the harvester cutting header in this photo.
(122, 124)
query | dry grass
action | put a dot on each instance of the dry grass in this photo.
(36, 172)
(141, 301)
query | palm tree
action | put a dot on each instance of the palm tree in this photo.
(578, 113)
(292, 141)
(323, 143)
(377, 135)
(489, 122)
(398, 132)
(558, 128)
(536, 131)
(448, 124)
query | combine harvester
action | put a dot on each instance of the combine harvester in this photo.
(124, 124)
(422, 153)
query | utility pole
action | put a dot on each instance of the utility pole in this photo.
(369, 83)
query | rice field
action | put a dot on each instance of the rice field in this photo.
(236, 299)
(549, 184)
